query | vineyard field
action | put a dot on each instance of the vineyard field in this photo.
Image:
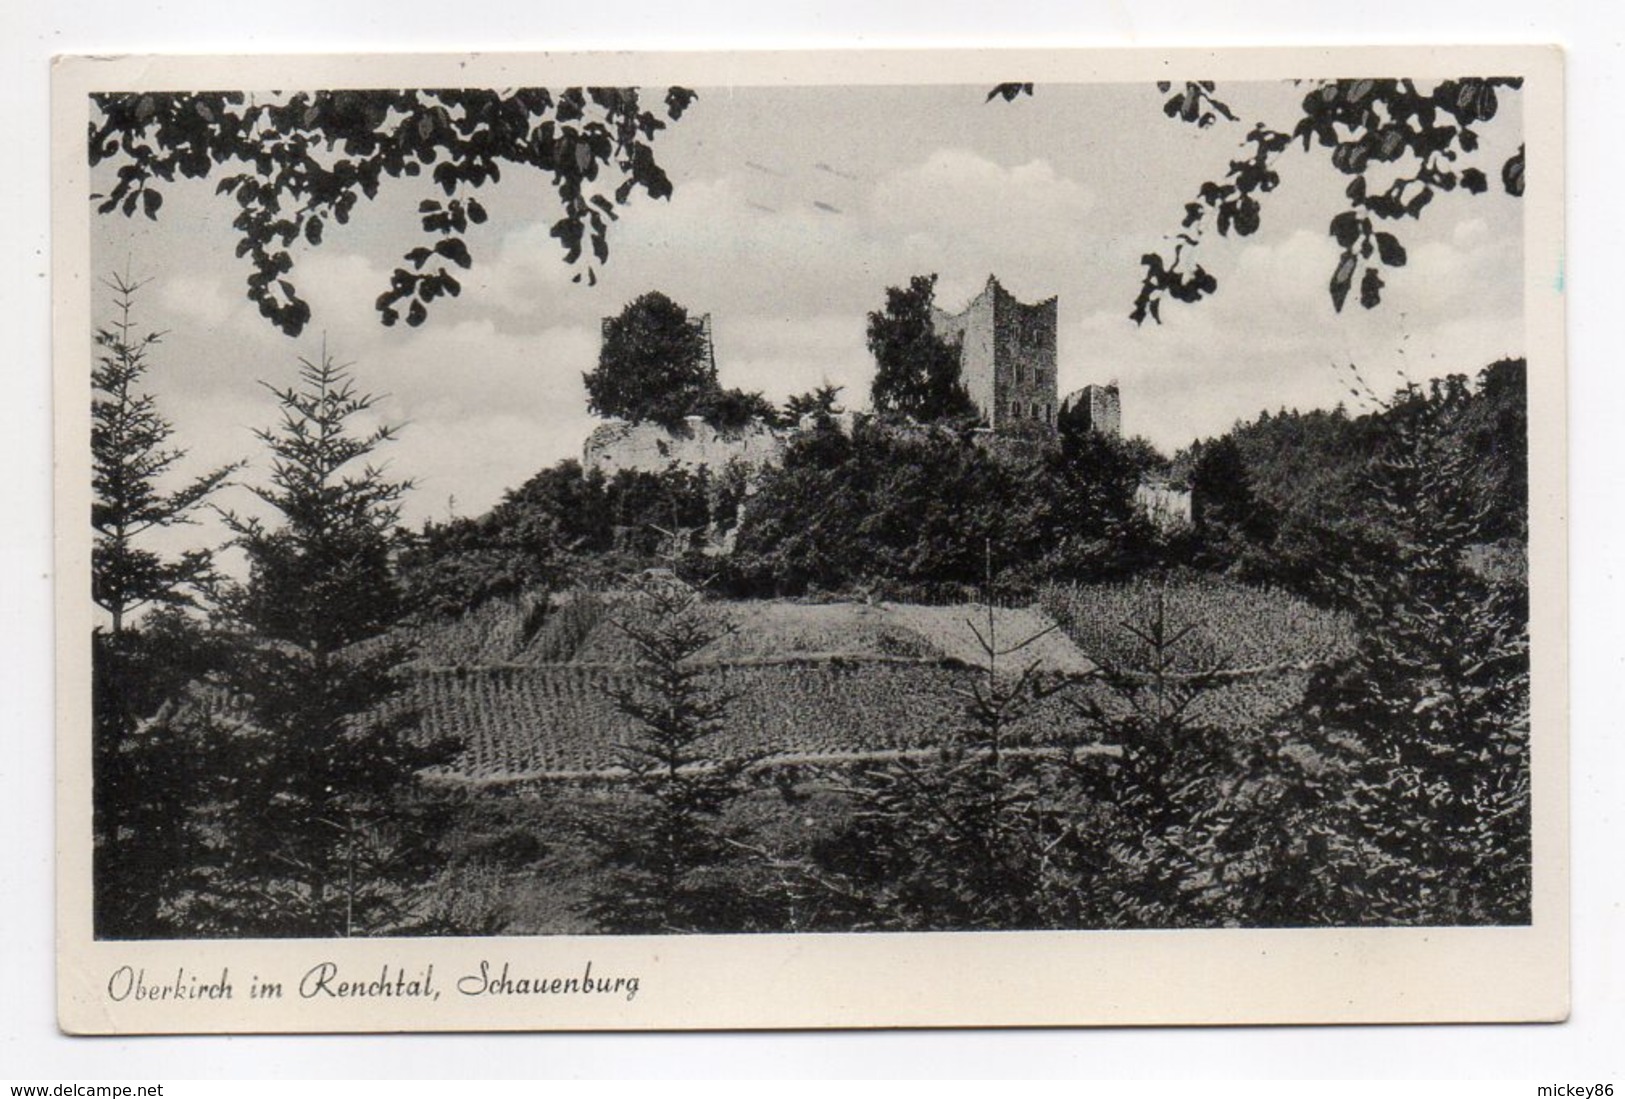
(518, 722)
(1232, 625)
(812, 680)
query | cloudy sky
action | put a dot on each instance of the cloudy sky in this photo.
(794, 210)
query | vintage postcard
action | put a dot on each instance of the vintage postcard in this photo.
(890, 539)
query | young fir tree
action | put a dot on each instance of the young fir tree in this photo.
(144, 768)
(130, 460)
(326, 829)
(1147, 856)
(961, 839)
(1436, 696)
(670, 865)
(1196, 819)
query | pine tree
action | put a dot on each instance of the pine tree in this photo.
(1436, 695)
(964, 838)
(326, 822)
(1145, 858)
(130, 458)
(1234, 526)
(143, 767)
(670, 865)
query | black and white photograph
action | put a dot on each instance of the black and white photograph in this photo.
(875, 511)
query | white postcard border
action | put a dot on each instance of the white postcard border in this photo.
(783, 981)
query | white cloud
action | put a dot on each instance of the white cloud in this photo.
(978, 212)
(781, 356)
(1256, 344)
(201, 299)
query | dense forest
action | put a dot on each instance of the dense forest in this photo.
(899, 511)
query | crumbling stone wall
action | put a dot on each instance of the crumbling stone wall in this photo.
(617, 445)
(1095, 408)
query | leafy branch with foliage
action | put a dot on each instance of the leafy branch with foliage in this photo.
(297, 164)
(1402, 142)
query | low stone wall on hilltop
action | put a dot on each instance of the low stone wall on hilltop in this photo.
(650, 447)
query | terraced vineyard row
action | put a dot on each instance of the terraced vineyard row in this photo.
(1235, 705)
(1235, 626)
(536, 718)
(519, 721)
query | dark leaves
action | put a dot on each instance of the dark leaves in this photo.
(456, 251)
(1342, 279)
(1420, 136)
(282, 190)
(1512, 174)
(678, 101)
(1195, 103)
(1346, 228)
(1008, 92)
(1390, 250)
(1370, 289)
(1160, 279)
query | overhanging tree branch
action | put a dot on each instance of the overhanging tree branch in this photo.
(295, 163)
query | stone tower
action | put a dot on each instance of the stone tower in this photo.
(1095, 408)
(1006, 355)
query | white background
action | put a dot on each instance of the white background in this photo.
(1580, 1051)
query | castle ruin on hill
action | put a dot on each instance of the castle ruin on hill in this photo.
(1096, 408)
(1007, 361)
(1008, 364)
(1006, 355)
